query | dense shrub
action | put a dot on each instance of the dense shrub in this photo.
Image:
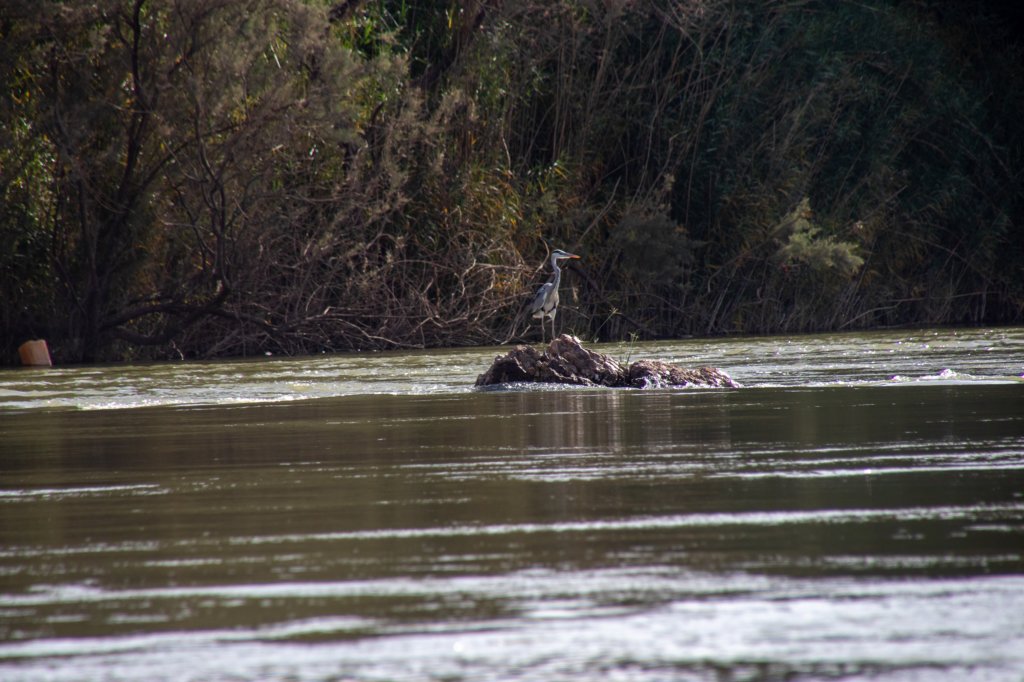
(223, 178)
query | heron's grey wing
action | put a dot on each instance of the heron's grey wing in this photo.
(537, 305)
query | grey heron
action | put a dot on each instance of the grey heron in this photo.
(545, 303)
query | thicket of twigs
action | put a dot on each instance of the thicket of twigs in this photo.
(226, 177)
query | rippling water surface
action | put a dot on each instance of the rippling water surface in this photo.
(855, 511)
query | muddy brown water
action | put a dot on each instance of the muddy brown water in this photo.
(855, 511)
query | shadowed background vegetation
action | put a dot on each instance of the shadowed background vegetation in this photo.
(201, 178)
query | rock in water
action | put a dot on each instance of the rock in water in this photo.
(566, 361)
(654, 374)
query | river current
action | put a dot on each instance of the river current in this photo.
(854, 512)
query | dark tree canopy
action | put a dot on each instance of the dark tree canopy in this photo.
(226, 177)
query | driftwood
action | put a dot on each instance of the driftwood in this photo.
(566, 361)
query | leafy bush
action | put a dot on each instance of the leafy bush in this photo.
(205, 178)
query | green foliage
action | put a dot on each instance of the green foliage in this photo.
(804, 245)
(209, 178)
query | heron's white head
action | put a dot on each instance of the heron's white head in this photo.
(558, 255)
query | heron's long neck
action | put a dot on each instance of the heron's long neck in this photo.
(557, 278)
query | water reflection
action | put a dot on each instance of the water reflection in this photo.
(842, 531)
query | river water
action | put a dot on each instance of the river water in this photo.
(854, 512)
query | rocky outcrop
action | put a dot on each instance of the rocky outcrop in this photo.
(654, 373)
(566, 361)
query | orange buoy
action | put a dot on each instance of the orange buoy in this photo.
(35, 353)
